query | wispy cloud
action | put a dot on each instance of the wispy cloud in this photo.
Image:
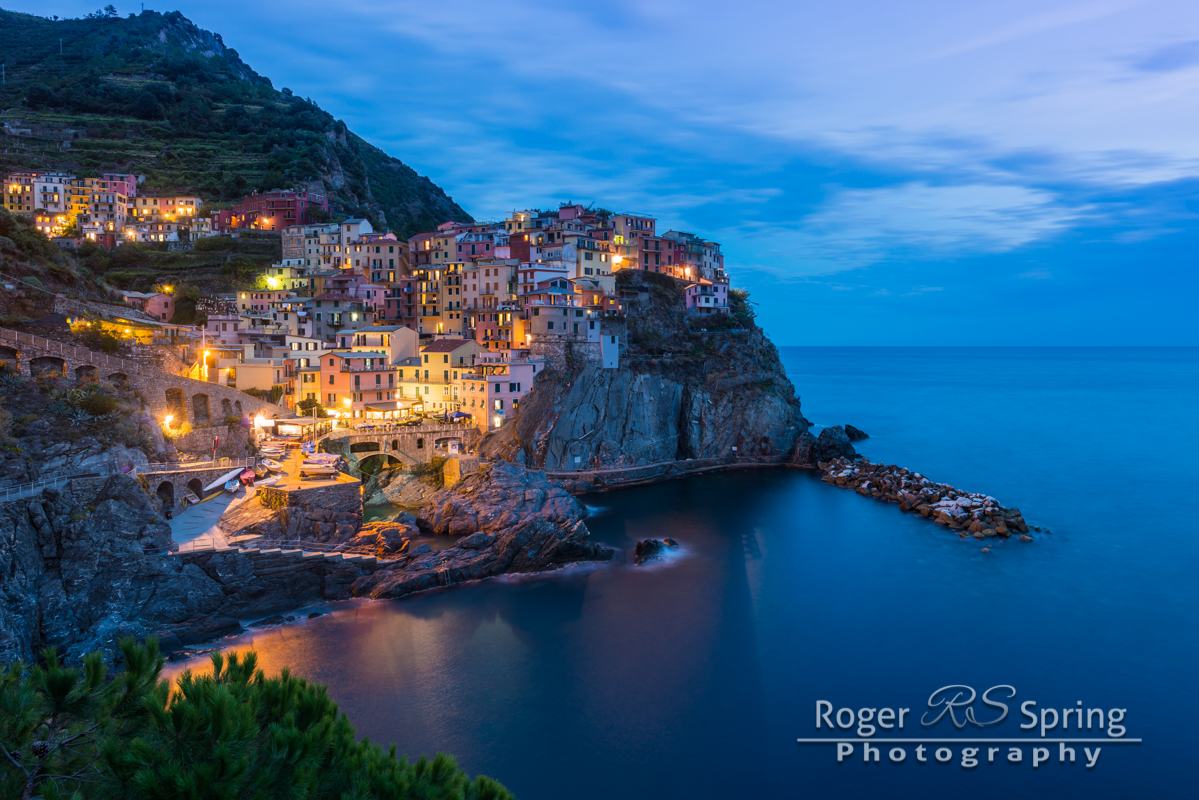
(1170, 58)
(859, 227)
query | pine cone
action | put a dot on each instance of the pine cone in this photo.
(40, 749)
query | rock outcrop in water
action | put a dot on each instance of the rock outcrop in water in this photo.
(855, 434)
(509, 520)
(649, 550)
(832, 443)
(968, 513)
(677, 395)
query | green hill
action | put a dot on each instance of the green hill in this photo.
(155, 95)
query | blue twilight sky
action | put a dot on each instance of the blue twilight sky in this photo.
(925, 172)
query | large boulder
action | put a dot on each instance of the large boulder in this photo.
(496, 498)
(508, 520)
(855, 434)
(834, 443)
(811, 451)
(400, 488)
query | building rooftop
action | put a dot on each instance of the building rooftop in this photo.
(445, 345)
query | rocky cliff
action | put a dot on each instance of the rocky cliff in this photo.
(679, 394)
(86, 564)
(83, 565)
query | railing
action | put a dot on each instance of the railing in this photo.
(78, 353)
(198, 545)
(197, 466)
(33, 487)
(376, 368)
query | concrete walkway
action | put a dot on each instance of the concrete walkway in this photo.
(196, 528)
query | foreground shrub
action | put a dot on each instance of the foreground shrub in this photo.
(232, 734)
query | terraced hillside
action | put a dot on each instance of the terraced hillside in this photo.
(154, 94)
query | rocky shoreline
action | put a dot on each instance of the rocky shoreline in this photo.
(968, 513)
(508, 520)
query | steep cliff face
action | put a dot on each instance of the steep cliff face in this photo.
(83, 566)
(679, 394)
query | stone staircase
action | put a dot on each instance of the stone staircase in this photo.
(290, 556)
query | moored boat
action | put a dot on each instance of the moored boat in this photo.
(232, 486)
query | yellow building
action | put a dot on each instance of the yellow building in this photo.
(439, 300)
(435, 376)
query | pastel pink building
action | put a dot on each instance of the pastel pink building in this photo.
(156, 304)
(707, 297)
(222, 329)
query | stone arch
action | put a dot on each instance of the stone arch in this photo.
(196, 487)
(10, 358)
(166, 493)
(226, 407)
(86, 373)
(47, 366)
(200, 409)
(237, 405)
(176, 405)
(420, 444)
(118, 377)
(395, 444)
(365, 447)
(375, 462)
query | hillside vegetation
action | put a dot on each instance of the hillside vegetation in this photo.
(217, 264)
(154, 94)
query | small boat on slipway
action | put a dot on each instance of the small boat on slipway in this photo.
(232, 486)
(271, 464)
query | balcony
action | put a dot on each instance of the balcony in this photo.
(352, 368)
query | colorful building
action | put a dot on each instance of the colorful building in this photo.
(434, 377)
(492, 391)
(272, 211)
(350, 379)
(157, 304)
(707, 297)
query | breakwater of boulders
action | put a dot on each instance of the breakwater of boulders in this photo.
(968, 513)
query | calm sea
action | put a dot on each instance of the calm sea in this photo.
(695, 678)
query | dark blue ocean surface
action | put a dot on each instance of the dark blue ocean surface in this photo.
(695, 678)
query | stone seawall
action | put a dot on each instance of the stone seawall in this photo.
(578, 482)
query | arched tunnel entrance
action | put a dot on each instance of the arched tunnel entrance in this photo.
(374, 463)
